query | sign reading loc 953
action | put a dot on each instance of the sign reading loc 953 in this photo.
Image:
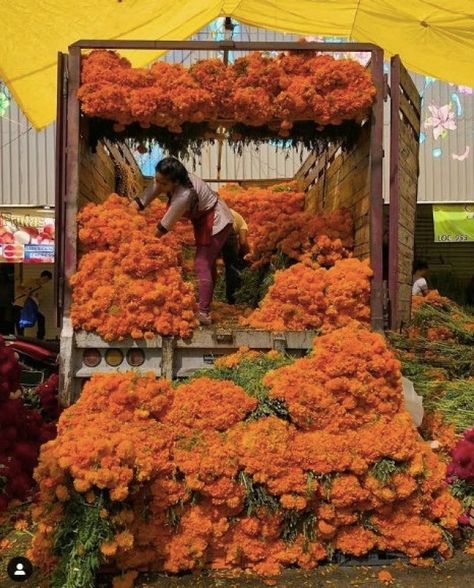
(453, 223)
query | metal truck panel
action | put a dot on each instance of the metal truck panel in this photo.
(26, 161)
(208, 338)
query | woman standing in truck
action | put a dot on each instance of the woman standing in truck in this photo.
(190, 197)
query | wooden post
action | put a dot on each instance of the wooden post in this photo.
(167, 357)
(376, 193)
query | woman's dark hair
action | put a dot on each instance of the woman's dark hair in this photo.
(420, 265)
(46, 274)
(174, 170)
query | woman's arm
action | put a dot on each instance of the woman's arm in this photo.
(243, 241)
(148, 194)
(178, 207)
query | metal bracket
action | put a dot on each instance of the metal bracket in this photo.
(279, 342)
(224, 337)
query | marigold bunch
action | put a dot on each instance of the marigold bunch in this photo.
(308, 297)
(269, 212)
(358, 379)
(193, 409)
(256, 90)
(435, 427)
(278, 224)
(433, 298)
(347, 293)
(128, 282)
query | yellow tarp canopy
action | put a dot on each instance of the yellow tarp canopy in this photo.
(433, 37)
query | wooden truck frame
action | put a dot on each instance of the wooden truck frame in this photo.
(351, 178)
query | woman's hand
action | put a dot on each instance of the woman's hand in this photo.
(160, 231)
(244, 249)
(134, 205)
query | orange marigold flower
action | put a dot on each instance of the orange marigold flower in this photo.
(109, 548)
(21, 525)
(126, 580)
(307, 297)
(385, 577)
(81, 485)
(355, 540)
(62, 493)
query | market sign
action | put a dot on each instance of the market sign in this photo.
(26, 237)
(453, 223)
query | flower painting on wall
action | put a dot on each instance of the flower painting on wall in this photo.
(442, 120)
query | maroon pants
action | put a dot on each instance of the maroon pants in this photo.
(205, 266)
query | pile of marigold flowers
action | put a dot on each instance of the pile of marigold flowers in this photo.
(439, 319)
(257, 464)
(129, 283)
(255, 90)
(306, 296)
(437, 353)
(278, 224)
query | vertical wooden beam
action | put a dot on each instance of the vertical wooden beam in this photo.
(167, 357)
(376, 192)
(60, 184)
(67, 355)
(394, 206)
(72, 180)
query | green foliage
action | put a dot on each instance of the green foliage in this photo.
(365, 519)
(257, 496)
(219, 290)
(325, 481)
(452, 317)
(248, 374)
(256, 282)
(254, 286)
(456, 403)
(30, 398)
(270, 407)
(385, 468)
(447, 536)
(173, 516)
(464, 492)
(298, 523)
(455, 359)
(294, 522)
(77, 542)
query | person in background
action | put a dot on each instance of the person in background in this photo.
(234, 251)
(32, 289)
(188, 196)
(420, 285)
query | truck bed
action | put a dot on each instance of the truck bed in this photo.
(175, 357)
